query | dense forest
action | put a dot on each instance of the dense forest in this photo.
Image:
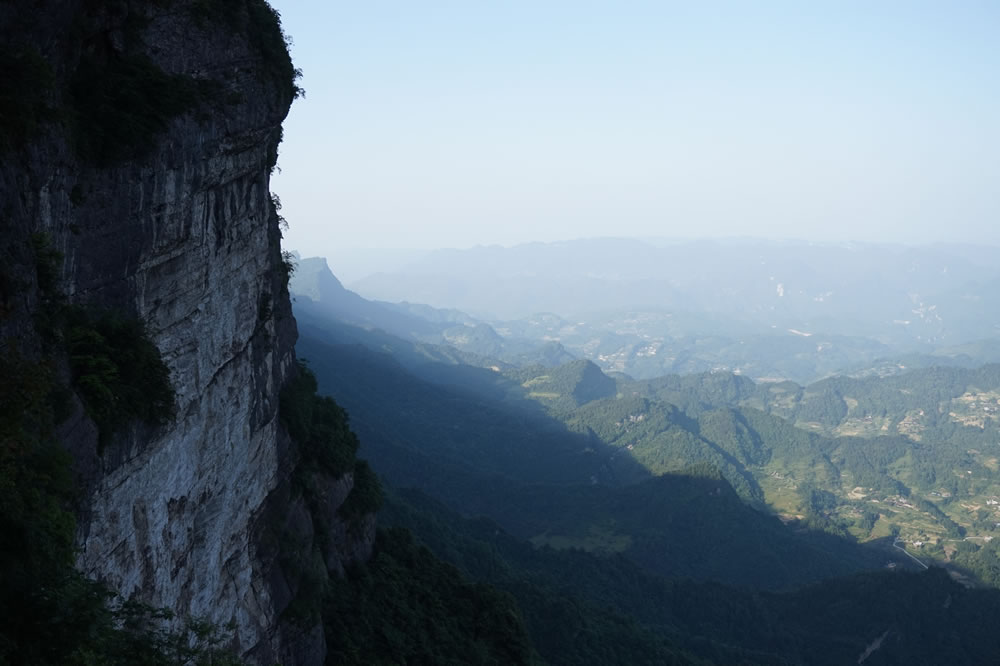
(645, 497)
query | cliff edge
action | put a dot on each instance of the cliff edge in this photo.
(137, 142)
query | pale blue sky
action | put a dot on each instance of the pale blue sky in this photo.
(430, 124)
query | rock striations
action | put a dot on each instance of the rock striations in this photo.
(141, 156)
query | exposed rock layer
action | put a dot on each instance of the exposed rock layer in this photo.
(184, 235)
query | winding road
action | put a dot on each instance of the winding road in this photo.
(897, 540)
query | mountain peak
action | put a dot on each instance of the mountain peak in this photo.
(314, 279)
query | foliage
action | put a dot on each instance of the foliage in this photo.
(699, 392)
(827, 408)
(327, 449)
(128, 632)
(48, 262)
(318, 425)
(262, 24)
(117, 370)
(288, 266)
(663, 439)
(366, 495)
(35, 493)
(23, 98)
(566, 387)
(446, 423)
(535, 479)
(406, 606)
(983, 562)
(753, 448)
(585, 609)
(52, 614)
(595, 596)
(117, 102)
(578, 608)
(121, 103)
(268, 37)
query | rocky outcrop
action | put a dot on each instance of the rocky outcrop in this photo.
(170, 220)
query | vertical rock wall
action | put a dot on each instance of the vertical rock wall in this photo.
(183, 234)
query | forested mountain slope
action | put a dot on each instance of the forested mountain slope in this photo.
(544, 482)
(626, 486)
(584, 609)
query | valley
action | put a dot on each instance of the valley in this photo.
(708, 477)
(870, 456)
(676, 445)
(767, 310)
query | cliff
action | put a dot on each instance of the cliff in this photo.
(137, 141)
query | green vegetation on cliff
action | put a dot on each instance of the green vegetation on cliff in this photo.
(120, 104)
(403, 605)
(114, 99)
(317, 424)
(262, 24)
(117, 370)
(52, 615)
(24, 103)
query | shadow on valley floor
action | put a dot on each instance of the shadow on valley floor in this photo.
(555, 487)
(514, 439)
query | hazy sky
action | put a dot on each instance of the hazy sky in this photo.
(430, 124)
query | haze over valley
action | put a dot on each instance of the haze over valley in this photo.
(529, 333)
(869, 448)
(769, 310)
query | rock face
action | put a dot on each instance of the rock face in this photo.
(183, 233)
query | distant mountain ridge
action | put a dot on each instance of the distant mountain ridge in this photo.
(313, 279)
(782, 446)
(819, 279)
(321, 295)
(789, 310)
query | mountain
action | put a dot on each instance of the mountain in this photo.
(544, 482)
(583, 608)
(908, 455)
(635, 569)
(782, 283)
(138, 208)
(769, 310)
(819, 474)
(323, 301)
(313, 279)
(178, 486)
(172, 489)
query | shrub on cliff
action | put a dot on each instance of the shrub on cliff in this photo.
(317, 424)
(117, 370)
(50, 614)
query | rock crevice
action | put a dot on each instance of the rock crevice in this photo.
(182, 234)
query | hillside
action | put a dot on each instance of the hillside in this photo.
(768, 310)
(555, 486)
(803, 452)
(904, 455)
(606, 473)
(172, 490)
(580, 608)
(323, 301)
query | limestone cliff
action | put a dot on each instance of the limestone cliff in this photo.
(138, 140)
